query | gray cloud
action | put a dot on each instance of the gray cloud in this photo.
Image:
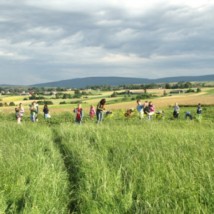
(40, 44)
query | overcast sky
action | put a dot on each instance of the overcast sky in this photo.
(51, 40)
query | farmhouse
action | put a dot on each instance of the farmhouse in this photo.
(177, 92)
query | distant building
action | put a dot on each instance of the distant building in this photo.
(177, 92)
(23, 93)
(49, 93)
(54, 92)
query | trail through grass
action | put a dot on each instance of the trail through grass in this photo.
(120, 166)
(147, 168)
(33, 176)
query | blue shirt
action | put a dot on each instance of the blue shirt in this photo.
(139, 108)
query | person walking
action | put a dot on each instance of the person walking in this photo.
(46, 111)
(151, 110)
(33, 112)
(100, 109)
(146, 108)
(140, 109)
(92, 112)
(79, 114)
(19, 113)
(199, 111)
(176, 110)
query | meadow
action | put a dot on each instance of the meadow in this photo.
(124, 165)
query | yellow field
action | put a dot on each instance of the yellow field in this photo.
(168, 101)
(12, 98)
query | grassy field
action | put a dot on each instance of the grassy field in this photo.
(142, 168)
(33, 176)
(122, 166)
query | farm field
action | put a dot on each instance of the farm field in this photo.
(124, 165)
(206, 97)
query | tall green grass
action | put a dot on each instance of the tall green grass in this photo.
(33, 178)
(120, 166)
(142, 167)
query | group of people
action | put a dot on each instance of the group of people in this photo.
(92, 112)
(147, 108)
(176, 111)
(34, 111)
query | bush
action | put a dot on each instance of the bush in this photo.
(190, 90)
(45, 102)
(63, 102)
(143, 96)
(12, 104)
(76, 102)
(36, 98)
(198, 90)
(77, 96)
(114, 94)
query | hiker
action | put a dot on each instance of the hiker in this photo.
(92, 112)
(19, 113)
(151, 110)
(188, 115)
(176, 110)
(46, 111)
(199, 109)
(146, 108)
(33, 112)
(79, 114)
(100, 109)
(21, 110)
(140, 109)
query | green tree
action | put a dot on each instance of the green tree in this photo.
(167, 86)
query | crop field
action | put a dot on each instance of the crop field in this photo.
(206, 97)
(121, 166)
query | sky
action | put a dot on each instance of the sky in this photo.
(52, 40)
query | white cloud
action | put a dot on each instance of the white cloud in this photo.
(123, 59)
(132, 6)
(56, 39)
(45, 31)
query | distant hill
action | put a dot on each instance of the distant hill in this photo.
(115, 81)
